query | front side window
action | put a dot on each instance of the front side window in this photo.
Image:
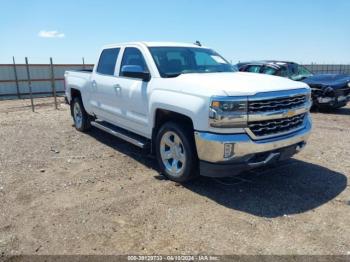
(133, 56)
(283, 71)
(107, 61)
(173, 61)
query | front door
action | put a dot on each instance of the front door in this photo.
(134, 93)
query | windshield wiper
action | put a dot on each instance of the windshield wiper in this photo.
(299, 77)
(169, 75)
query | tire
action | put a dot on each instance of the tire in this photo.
(80, 117)
(176, 152)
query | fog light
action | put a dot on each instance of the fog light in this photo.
(324, 100)
(228, 150)
(300, 147)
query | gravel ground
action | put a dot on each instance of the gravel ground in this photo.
(66, 192)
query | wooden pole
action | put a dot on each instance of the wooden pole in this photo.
(53, 86)
(16, 77)
(29, 85)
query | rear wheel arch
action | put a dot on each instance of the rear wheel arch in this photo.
(74, 93)
(82, 120)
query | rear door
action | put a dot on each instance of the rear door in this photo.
(106, 96)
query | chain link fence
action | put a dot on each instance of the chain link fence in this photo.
(40, 80)
(328, 68)
(36, 80)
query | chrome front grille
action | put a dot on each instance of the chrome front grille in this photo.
(277, 113)
(276, 126)
(260, 106)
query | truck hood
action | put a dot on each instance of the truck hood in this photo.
(237, 83)
(333, 80)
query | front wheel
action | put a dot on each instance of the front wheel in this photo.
(176, 154)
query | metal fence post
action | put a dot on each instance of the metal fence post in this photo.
(16, 77)
(29, 85)
(53, 86)
(83, 63)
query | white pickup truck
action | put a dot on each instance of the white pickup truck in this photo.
(187, 105)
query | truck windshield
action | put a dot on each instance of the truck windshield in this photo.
(298, 72)
(174, 61)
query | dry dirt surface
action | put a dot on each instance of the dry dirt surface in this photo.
(67, 192)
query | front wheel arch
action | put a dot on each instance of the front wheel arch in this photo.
(162, 116)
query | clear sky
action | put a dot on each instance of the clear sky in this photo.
(298, 30)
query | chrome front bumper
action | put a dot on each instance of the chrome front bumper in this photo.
(211, 147)
(333, 100)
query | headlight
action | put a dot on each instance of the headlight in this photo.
(349, 84)
(308, 97)
(228, 112)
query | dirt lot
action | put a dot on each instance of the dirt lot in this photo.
(65, 192)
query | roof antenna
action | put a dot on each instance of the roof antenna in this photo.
(198, 43)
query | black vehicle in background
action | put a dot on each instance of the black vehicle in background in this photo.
(328, 90)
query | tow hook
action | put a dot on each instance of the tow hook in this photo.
(268, 159)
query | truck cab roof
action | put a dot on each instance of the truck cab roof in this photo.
(273, 63)
(154, 44)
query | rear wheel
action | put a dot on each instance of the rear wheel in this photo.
(80, 116)
(176, 154)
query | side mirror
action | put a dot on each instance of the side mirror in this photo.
(135, 71)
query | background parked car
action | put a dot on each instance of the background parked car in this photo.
(328, 90)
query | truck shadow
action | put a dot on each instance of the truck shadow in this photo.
(293, 187)
(124, 147)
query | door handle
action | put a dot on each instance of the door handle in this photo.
(117, 88)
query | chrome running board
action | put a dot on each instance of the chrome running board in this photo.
(121, 133)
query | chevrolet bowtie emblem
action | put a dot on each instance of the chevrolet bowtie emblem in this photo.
(289, 113)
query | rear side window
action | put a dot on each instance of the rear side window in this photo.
(253, 68)
(107, 61)
(282, 71)
(269, 70)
